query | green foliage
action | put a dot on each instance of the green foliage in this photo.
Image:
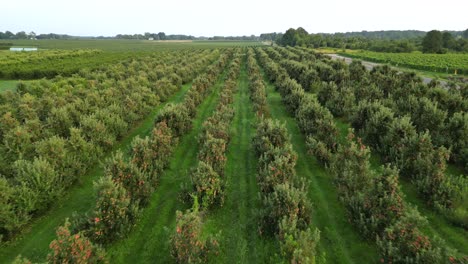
(188, 243)
(151, 154)
(213, 152)
(114, 212)
(444, 63)
(208, 185)
(270, 134)
(176, 116)
(131, 177)
(338, 99)
(317, 121)
(74, 248)
(456, 131)
(298, 246)
(432, 42)
(256, 86)
(285, 201)
(276, 166)
(49, 63)
(40, 178)
(294, 37)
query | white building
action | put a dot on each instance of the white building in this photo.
(22, 49)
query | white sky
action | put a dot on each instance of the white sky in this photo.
(223, 18)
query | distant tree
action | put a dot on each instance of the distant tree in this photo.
(9, 35)
(162, 35)
(432, 42)
(448, 41)
(32, 35)
(465, 34)
(289, 38)
(21, 35)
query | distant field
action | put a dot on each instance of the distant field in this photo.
(442, 63)
(66, 57)
(127, 45)
(49, 63)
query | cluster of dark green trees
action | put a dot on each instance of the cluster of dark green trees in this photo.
(432, 42)
(53, 131)
(131, 178)
(373, 198)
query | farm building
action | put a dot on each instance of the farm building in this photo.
(22, 49)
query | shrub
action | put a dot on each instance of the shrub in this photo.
(188, 246)
(176, 116)
(132, 178)
(285, 200)
(456, 131)
(319, 150)
(213, 152)
(151, 154)
(209, 188)
(113, 214)
(317, 121)
(404, 242)
(41, 179)
(74, 248)
(270, 134)
(276, 166)
(350, 167)
(338, 99)
(298, 246)
(372, 122)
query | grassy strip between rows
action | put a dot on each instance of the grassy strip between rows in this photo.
(338, 239)
(34, 242)
(9, 85)
(149, 240)
(236, 221)
(455, 237)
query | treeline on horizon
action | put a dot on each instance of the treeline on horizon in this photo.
(381, 41)
(8, 35)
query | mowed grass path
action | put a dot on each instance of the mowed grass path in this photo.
(8, 85)
(35, 239)
(340, 242)
(148, 242)
(438, 225)
(236, 221)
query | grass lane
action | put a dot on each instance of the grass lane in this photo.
(340, 242)
(237, 221)
(36, 237)
(148, 242)
(8, 85)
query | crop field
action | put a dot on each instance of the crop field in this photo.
(451, 63)
(226, 152)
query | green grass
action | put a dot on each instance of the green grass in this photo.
(438, 225)
(9, 85)
(237, 220)
(340, 242)
(34, 242)
(126, 45)
(149, 240)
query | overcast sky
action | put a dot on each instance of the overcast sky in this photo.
(218, 17)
